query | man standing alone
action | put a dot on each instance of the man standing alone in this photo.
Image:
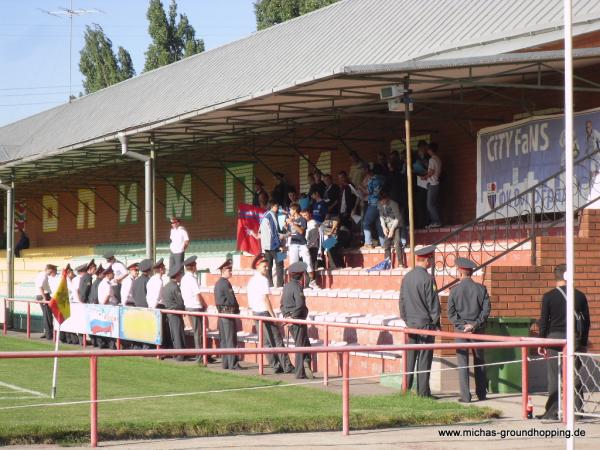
(420, 308)
(179, 243)
(553, 325)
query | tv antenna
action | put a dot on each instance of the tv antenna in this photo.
(70, 13)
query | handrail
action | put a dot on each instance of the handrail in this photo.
(524, 216)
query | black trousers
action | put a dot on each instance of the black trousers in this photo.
(300, 335)
(271, 257)
(421, 360)
(272, 339)
(47, 320)
(176, 259)
(176, 328)
(552, 401)
(462, 358)
(228, 339)
(196, 326)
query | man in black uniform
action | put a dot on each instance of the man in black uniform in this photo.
(172, 300)
(227, 304)
(138, 287)
(85, 284)
(468, 310)
(420, 308)
(93, 297)
(553, 325)
(293, 305)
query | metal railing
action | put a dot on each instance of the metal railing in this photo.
(345, 352)
(510, 225)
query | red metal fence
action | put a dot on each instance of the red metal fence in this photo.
(488, 342)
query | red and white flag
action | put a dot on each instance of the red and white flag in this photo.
(247, 228)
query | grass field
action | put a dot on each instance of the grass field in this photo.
(276, 409)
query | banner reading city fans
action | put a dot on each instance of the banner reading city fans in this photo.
(247, 228)
(514, 157)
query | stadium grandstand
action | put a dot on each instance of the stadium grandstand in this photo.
(107, 171)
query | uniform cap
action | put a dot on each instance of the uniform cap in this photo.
(82, 268)
(108, 270)
(92, 263)
(298, 267)
(99, 270)
(189, 261)
(133, 266)
(174, 271)
(425, 252)
(145, 265)
(158, 264)
(51, 267)
(109, 254)
(464, 263)
(226, 264)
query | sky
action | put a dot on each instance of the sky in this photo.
(34, 46)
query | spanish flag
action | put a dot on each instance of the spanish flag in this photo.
(59, 303)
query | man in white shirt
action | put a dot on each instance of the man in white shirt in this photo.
(76, 282)
(154, 287)
(120, 272)
(126, 297)
(270, 242)
(258, 300)
(192, 299)
(434, 170)
(42, 290)
(179, 243)
(106, 296)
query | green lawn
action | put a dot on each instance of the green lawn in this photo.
(277, 409)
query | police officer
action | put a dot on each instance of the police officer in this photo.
(172, 300)
(138, 287)
(85, 283)
(468, 310)
(227, 304)
(93, 298)
(293, 305)
(420, 308)
(192, 299)
(120, 272)
(127, 283)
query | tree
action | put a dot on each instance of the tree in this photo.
(271, 12)
(171, 40)
(98, 64)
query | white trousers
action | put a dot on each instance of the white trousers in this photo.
(297, 251)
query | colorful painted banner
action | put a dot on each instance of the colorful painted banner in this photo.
(140, 325)
(131, 324)
(514, 157)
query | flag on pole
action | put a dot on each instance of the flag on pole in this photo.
(59, 303)
(247, 228)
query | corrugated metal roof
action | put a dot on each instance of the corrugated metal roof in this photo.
(319, 44)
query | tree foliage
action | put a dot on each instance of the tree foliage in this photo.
(271, 12)
(98, 63)
(172, 40)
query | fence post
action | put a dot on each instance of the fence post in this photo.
(93, 401)
(260, 345)
(28, 320)
(404, 365)
(326, 367)
(5, 317)
(564, 384)
(345, 393)
(532, 232)
(524, 380)
(204, 339)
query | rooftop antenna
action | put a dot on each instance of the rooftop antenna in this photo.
(70, 13)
